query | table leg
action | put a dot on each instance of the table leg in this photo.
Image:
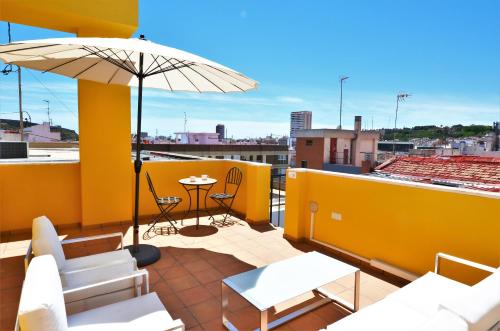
(225, 303)
(263, 320)
(197, 206)
(356, 290)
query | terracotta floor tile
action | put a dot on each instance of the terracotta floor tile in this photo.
(207, 310)
(174, 272)
(194, 295)
(208, 276)
(171, 301)
(186, 316)
(197, 266)
(307, 322)
(214, 325)
(214, 288)
(182, 283)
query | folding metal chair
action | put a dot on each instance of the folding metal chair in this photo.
(226, 198)
(165, 205)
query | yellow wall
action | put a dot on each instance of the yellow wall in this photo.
(31, 190)
(103, 110)
(400, 223)
(53, 189)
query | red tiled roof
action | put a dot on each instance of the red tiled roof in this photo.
(472, 171)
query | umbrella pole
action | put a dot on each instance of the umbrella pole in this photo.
(143, 253)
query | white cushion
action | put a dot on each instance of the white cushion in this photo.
(479, 305)
(444, 320)
(42, 304)
(46, 242)
(102, 295)
(427, 292)
(384, 315)
(96, 260)
(141, 313)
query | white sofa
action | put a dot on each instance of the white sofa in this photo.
(87, 270)
(433, 302)
(42, 308)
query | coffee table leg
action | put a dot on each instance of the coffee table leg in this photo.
(225, 303)
(356, 290)
(263, 320)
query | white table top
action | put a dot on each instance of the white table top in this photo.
(283, 280)
(198, 181)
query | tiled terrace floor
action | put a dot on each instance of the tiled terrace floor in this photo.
(188, 276)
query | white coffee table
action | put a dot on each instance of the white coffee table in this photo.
(281, 281)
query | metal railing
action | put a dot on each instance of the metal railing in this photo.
(276, 196)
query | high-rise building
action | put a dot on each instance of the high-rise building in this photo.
(220, 129)
(299, 120)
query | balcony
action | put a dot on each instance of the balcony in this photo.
(391, 230)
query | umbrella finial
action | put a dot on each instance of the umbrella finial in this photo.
(142, 37)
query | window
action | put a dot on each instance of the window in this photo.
(251, 158)
(309, 142)
(259, 158)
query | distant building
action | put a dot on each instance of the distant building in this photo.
(144, 135)
(299, 120)
(474, 172)
(336, 149)
(221, 130)
(197, 138)
(41, 133)
(276, 155)
(283, 141)
(398, 146)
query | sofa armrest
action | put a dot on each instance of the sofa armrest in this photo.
(97, 237)
(476, 265)
(143, 272)
(27, 257)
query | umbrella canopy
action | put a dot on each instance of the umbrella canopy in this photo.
(116, 61)
(129, 62)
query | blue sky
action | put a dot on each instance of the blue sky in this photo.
(444, 53)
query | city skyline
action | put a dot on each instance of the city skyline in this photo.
(450, 69)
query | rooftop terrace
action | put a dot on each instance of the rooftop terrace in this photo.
(193, 263)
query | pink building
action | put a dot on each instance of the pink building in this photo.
(199, 138)
(41, 133)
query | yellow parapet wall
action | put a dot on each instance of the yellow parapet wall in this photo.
(33, 189)
(28, 190)
(400, 223)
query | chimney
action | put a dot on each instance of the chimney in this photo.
(357, 123)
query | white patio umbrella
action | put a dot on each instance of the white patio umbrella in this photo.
(129, 62)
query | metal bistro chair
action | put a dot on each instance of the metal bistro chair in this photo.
(226, 199)
(165, 205)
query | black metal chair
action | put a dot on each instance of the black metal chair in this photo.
(165, 205)
(225, 199)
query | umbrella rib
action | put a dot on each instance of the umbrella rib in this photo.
(123, 60)
(113, 75)
(133, 68)
(158, 69)
(44, 55)
(154, 60)
(223, 72)
(28, 48)
(89, 67)
(68, 62)
(189, 80)
(163, 72)
(203, 76)
(113, 61)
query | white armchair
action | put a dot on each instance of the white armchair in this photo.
(433, 302)
(87, 270)
(41, 306)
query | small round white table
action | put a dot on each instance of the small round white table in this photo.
(198, 184)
